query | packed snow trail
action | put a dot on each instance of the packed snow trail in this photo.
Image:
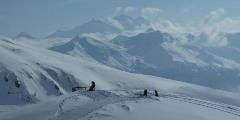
(218, 106)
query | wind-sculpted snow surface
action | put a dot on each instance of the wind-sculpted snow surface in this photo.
(124, 104)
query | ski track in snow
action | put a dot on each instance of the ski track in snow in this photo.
(217, 106)
(107, 98)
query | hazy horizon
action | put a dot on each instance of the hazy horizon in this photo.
(43, 17)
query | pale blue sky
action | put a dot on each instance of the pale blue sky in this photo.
(42, 17)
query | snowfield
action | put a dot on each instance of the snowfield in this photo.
(46, 79)
(124, 105)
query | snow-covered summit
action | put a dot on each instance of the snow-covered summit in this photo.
(24, 35)
(92, 26)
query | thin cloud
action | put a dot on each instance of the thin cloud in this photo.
(151, 14)
(214, 15)
(208, 31)
(130, 10)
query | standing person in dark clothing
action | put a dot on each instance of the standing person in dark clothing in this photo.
(92, 87)
(145, 92)
(156, 93)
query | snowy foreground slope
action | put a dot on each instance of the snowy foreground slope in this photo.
(124, 105)
(47, 77)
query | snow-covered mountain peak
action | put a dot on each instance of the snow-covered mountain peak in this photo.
(24, 35)
(146, 38)
(150, 30)
(92, 26)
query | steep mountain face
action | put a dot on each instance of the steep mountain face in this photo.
(136, 45)
(93, 26)
(29, 74)
(95, 50)
(160, 55)
(26, 78)
(231, 51)
(233, 39)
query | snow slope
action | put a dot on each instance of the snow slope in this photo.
(162, 54)
(96, 51)
(43, 73)
(47, 77)
(127, 105)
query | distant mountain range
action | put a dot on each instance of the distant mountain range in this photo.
(100, 26)
(156, 53)
(152, 52)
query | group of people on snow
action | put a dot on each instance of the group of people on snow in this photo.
(145, 92)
